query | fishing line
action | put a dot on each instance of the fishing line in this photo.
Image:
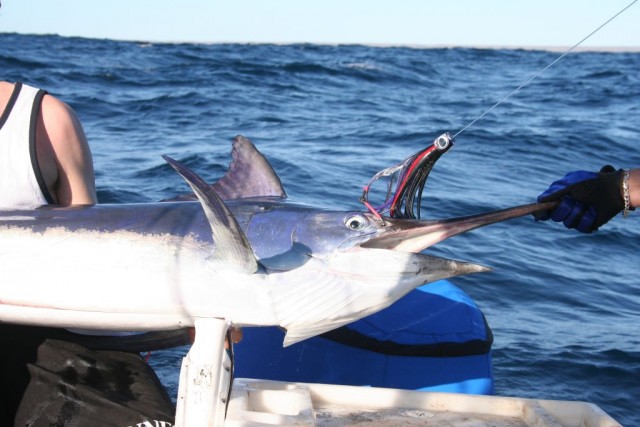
(409, 176)
(544, 69)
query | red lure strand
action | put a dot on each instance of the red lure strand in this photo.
(408, 173)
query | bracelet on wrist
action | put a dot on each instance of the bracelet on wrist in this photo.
(625, 192)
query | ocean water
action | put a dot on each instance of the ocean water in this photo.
(564, 307)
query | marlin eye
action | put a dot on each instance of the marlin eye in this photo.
(355, 222)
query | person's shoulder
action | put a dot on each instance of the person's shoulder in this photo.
(52, 106)
(60, 120)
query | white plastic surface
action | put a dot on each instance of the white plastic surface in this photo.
(272, 403)
(205, 377)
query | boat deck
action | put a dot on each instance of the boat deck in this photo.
(261, 403)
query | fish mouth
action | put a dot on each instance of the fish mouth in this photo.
(411, 235)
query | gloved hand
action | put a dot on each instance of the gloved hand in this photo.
(587, 200)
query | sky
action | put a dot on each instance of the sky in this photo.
(549, 23)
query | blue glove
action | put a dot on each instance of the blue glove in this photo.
(586, 200)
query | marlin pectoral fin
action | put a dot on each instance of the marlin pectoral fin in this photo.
(249, 175)
(232, 249)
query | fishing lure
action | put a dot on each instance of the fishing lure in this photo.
(409, 177)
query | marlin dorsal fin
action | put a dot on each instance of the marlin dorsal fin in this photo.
(232, 249)
(250, 174)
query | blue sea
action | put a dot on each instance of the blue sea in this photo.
(564, 307)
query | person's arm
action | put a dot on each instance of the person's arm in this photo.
(64, 154)
(587, 200)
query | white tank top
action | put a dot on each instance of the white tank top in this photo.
(21, 182)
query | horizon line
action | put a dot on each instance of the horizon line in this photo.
(505, 46)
